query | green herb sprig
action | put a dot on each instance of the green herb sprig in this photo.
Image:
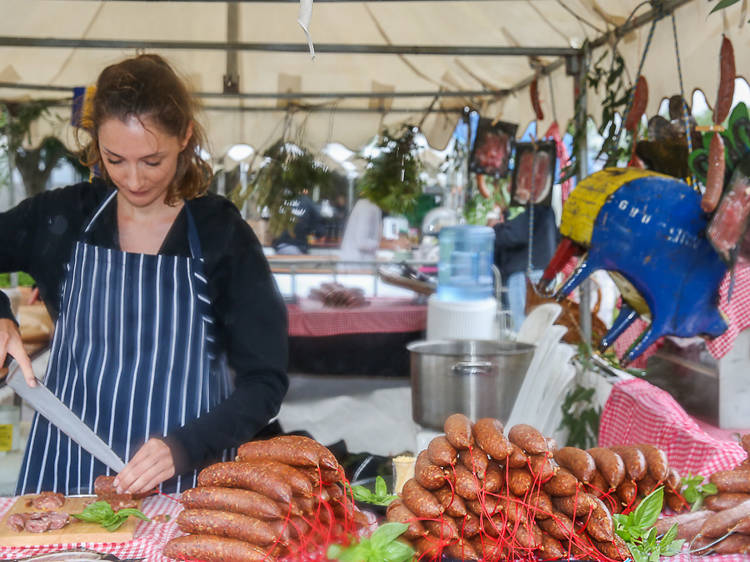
(101, 512)
(382, 546)
(379, 497)
(695, 491)
(638, 531)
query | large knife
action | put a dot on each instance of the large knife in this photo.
(48, 405)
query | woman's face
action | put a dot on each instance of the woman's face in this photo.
(140, 158)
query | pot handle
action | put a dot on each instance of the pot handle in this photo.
(472, 368)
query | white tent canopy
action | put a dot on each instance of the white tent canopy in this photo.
(50, 46)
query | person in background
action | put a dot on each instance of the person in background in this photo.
(512, 253)
(157, 288)
(307, 222)
(362, 232)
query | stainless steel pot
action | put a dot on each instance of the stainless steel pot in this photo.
(477, 378)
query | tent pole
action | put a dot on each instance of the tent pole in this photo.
(582, 158)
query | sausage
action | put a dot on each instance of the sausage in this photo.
(466, 484)
(535, 104)
(579, 505)
(742, 526)
(298, 481)
(598, 486)
(316, 474)
(234, 500)
(600, 526)
(540, 505)
(429, 548)
(676, 502)
(494, 478)
(688, 524)
(453, 503)
(714, 174)
(725, 500)
(635, 462)
(528, 535)
(517, 458)
(563, 483)
(441, 452)
(638, 104)
(248, 476)
(214, 549)
(559, 526)
(733, 544)
(475, 460)
(646, 485)
(427, 474)
(721, 522)
(444, 528)
(656, 461)
(542, 467)
(673, 481)
(226, 524)
(399, 513)
(745, 442)
(488, 433)
(295, 450)
(577, 461)
(486, 508)
(551, 549)
(726, 81)
(514, 509)
(609, 464)
(105, 486)
(731, 480)
(457, 429)
(462, 550)
(627, 492)
(615, 549)
(420, 501)
(470, 525)
(519, 481)
(528, 438)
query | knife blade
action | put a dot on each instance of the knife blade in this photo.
(48, 405)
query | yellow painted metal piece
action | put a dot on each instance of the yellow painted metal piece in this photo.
(586, 200)
(631, 295)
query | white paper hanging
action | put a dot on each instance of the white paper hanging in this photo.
(305, 14)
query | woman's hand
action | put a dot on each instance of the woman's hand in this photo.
(11, 343)
(149, 467)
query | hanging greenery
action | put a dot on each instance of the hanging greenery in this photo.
(391, 179)
(288, 171)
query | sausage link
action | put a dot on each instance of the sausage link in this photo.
(226, 524)
(462, 550)
(519, 481)
(466, 484)
(579, 505)
(488, 433)
(214, 549)
(577, 461)
(397, 512)
(457, 429)
(453, 503)
(715, 174)
(235, 500)
(494, 478)
(563, 483)
(615, 549)
(298, 481)
(535, 103)
(600, 526)
(725, 500)
(559, 526)
(656, 460)
(475, 460)
(635, 462)
(427, 474)
(445, 528)
(610, 464)
(420, 501)
(720, 523)
(542, 467)
(638, 105)
(295, 450)
(248, 476)
(732, 480)
(528, 438)
(441, 452)
(551, 549)
(726, 81)
(517, 458)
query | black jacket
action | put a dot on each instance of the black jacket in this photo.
(512, 241)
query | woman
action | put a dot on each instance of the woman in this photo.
(157, 288)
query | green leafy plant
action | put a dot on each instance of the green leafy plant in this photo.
(382, 546)
(580, 417)
(101, 512)
(379, 497)
(695, 491)
(638, 531)
(391, 179)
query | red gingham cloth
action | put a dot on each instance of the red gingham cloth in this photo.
(638, 412)
(147, 542)
(382, 315)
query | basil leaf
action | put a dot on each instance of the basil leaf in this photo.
(710, 489)
(380, 487)
(397, 552)
(132, 511)
(387, 533)
(334, 551)
(649, 509)
(669, 536)
(723, 4)
(674, 548)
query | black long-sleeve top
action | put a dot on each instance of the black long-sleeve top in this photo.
(38, 237)
(512, 241)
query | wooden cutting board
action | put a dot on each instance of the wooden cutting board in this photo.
(74, 532)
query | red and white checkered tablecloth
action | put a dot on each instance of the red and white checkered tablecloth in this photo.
(736, 310)
(309, 318)
(147, 542)
(638, 412)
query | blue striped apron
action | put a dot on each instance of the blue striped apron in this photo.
(133, 355)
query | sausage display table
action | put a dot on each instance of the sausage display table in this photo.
(146, 545)
(368, 340)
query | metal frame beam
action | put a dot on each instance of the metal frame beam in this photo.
(353, 49)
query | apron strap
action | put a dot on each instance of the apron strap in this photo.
(99, 210)
(192, 232)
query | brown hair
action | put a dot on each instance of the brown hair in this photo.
(142, 86)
